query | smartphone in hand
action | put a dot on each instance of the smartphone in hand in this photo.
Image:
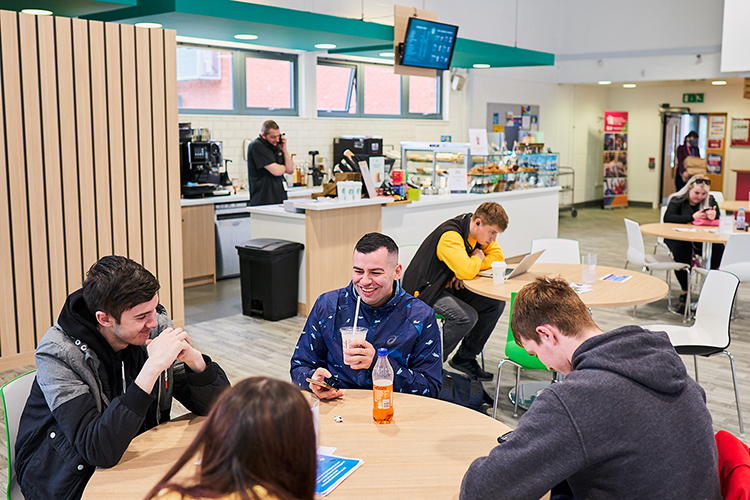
(322, 385)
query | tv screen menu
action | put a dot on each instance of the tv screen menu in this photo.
(428, 44)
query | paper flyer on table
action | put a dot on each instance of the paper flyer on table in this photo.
(580, 288)
(332, 471)
(618, 278)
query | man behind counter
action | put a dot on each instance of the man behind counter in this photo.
(268, 159)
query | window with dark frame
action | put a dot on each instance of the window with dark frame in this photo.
(356, 89)
(232, 81)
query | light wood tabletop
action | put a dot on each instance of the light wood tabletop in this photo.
(423, 453)
(734, 205)
(640, 289)
(686, 232)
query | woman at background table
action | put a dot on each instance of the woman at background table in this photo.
(689, 204)
(258, 443)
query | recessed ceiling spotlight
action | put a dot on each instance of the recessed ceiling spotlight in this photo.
(246, 37)
(37, 12)
(148, 25)
(604, 82)
(387, 54)
(325, 45)
(482, 66)
(718, 82)
(628, 85)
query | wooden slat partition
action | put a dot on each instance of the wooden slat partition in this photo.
(89, 165)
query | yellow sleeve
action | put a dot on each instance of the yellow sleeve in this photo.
(492, 253)
(451, 249)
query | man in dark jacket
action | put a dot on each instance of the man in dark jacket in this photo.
(627, 422)
(393, 318)
(106, 371)
(457, 250)
(268, 159)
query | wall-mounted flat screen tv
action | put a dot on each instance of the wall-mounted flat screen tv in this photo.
(428, 44)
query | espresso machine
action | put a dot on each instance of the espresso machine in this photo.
(200, 162)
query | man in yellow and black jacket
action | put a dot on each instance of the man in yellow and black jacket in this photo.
(457, 250)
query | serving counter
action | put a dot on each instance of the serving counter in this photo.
(329, 229)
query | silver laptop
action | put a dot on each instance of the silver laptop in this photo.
(523, 266)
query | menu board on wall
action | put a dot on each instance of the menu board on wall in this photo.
(615, 162)
(740, 132)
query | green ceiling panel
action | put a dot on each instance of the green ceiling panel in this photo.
(68, 8)
(281, 28)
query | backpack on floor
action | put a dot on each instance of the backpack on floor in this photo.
(464, 391)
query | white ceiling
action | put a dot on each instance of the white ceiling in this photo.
(634, 40)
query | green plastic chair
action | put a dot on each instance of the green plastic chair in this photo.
(14, 395)
(518, 357)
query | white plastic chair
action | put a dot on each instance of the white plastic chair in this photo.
(719, 197)
(405, 254)
(659, 239)
(736, 259)
(557, 251)
(14, 395)
(656, 262)
(709, 334)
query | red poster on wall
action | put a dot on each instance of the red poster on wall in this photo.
(615, 159)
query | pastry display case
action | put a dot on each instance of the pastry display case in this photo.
(427, 163)
(508, 172)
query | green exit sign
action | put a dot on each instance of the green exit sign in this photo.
(692, 97)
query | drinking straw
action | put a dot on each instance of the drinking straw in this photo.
(356, 313)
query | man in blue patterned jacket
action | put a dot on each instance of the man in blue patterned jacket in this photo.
(394, 320)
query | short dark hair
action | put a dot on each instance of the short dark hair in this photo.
(548, 301)
(115, 284)
(692, 133)
(268, 125)
(374, 241)
(492, 214)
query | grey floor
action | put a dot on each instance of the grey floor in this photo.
(247, 346)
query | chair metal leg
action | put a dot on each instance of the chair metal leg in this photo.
(634, 308)
(482, 353)
(736, 392)
(497, 385)
(518, 387)
(688, 300)
(695, 363)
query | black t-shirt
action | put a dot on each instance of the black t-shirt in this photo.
(265, 188)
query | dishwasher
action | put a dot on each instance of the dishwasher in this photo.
(232, 228)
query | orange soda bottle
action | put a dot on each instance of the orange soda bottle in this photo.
(382, 389)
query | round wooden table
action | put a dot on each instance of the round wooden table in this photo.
(640, 289)
(688, 232)
(423, 453)
(734, 205)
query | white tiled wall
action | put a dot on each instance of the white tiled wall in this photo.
(308, 134)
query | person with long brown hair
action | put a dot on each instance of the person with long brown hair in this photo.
(258, 443)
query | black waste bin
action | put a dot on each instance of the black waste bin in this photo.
(269, 277)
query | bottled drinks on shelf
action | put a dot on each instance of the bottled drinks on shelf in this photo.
(741, 219)
(382, 389)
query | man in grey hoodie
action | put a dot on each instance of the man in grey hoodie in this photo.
(626, 423)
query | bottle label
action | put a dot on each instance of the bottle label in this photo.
(382, 396)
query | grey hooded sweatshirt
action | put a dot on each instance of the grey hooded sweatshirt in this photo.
(627, 423)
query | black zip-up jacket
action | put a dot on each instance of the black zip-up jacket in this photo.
(84, 408)
(427, 275)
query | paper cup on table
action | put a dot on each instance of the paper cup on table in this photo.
(498, 272)
(348, 337)
(726, 224)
